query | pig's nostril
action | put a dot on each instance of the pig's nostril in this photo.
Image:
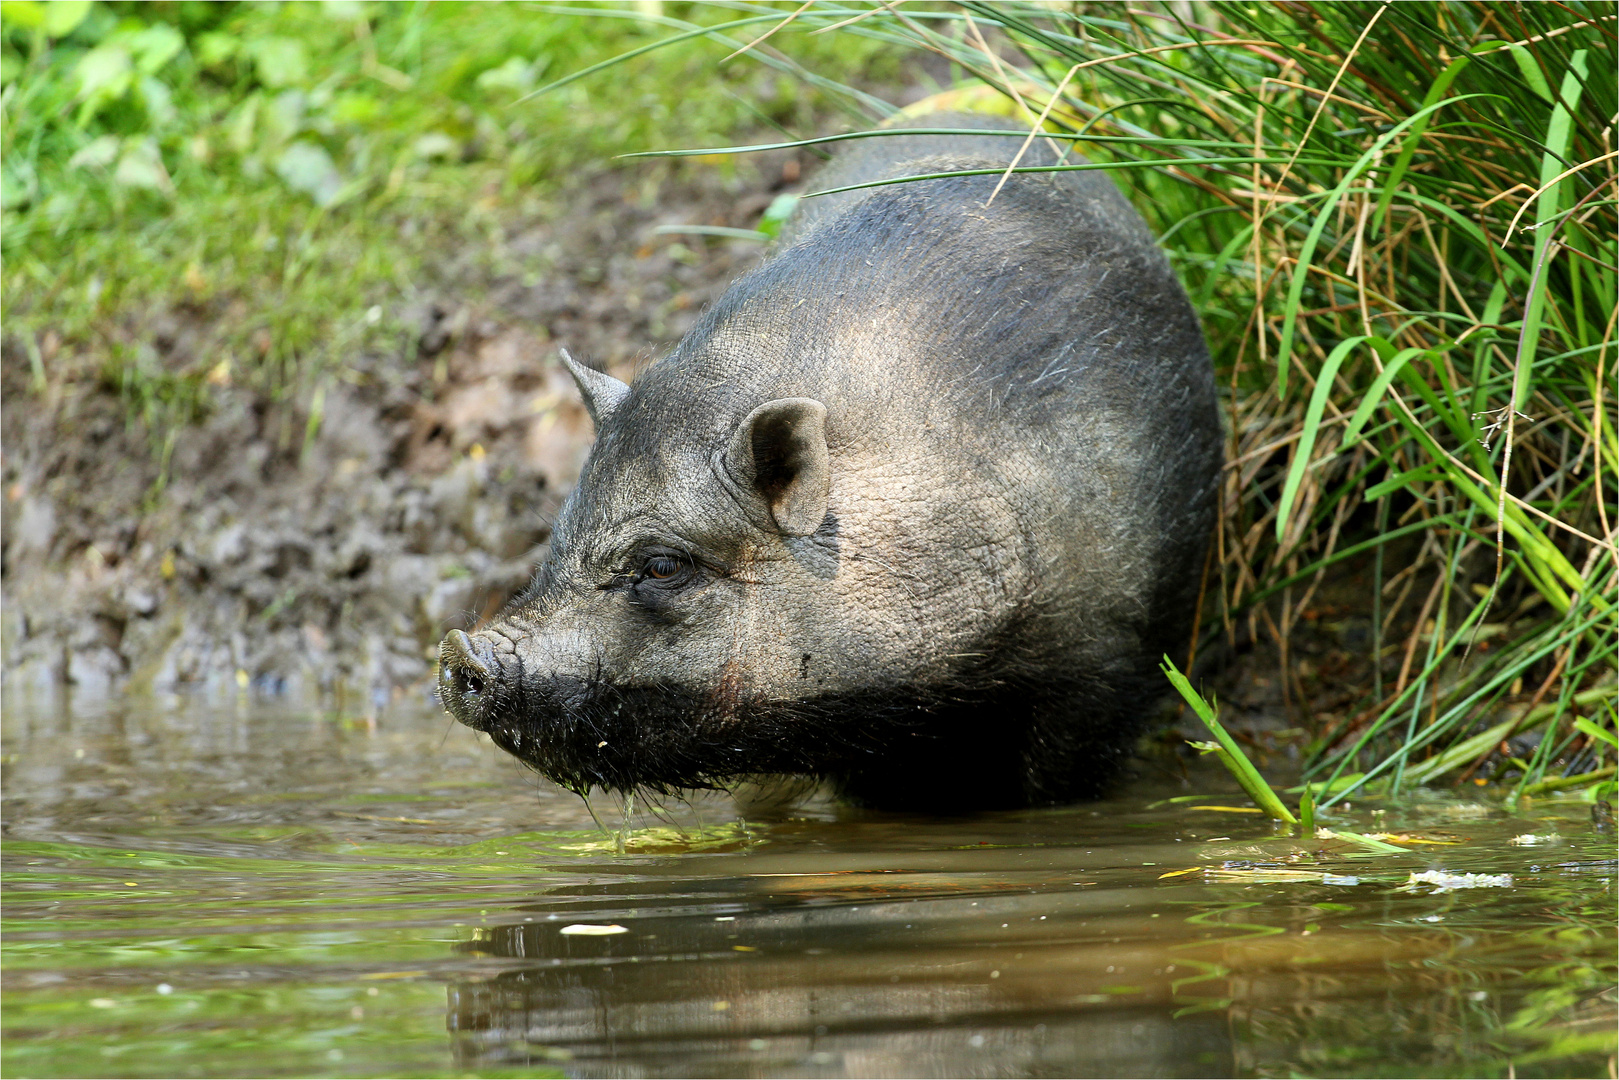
(467, 684)
(466, 671)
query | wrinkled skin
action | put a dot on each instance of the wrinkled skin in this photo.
(916, 507)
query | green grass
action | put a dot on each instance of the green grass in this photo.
(274, 171)
(1398, 225)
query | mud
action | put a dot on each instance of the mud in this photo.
(331, 562)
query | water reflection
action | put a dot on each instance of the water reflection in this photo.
(914, 987)
(1024, 955)
(209, 888)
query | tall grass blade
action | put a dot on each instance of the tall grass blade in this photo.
(1231, 755)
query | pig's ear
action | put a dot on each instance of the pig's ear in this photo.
(778, 454)
(602, 392)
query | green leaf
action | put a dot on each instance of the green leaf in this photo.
(62, 17)
(1563, 783)
(283, 119)
(701, 31)
(1320, 788)
(515, 74)
(436, 146)
(1374, 397)
(278, 61)
(1463, 752)
(159, 102)
(344, 10)
(104, 74)
(1529, 67)
(307, 167)
(1602, 734)
(97, 154)
(141, 166)
(1369, 844)
(1559, 130)
(155, 46)
(1409, 149)
(354, 109)
(243, 124)
(776, 214)
(213, 48)
(1326, 215)
(27, 14)
(1422, 474)
(1312, 426)
(18, 186)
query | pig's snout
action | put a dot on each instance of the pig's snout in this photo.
(468, 678)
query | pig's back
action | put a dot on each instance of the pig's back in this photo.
(1035, 347)
(1020, 305)
(863, 161)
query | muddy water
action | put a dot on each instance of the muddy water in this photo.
(238, 889)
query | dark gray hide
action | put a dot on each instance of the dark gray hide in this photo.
(915, 507)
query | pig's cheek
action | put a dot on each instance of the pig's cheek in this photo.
(750, 631)
(808, 560)
(688, 637)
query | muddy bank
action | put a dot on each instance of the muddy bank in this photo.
(327, 544)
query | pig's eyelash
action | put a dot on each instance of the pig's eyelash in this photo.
(637, 567)
(663, 567)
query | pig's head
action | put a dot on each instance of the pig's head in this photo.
(695, 619)
(848, 528)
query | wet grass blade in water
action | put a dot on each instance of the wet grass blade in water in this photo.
(1226, 748)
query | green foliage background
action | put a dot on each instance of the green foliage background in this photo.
(304, 160)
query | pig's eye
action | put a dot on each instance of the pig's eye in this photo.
(662, 567)
(660, 579)
(657, 577)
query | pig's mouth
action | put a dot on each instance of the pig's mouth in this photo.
(910, 747)
(582, 734)
(951, 748)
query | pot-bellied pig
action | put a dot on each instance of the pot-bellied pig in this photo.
(916, 507)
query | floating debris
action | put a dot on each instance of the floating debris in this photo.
(1261, 875)
(1367, 842)
(1531, 840)
(1444, 881)
(585, 929)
